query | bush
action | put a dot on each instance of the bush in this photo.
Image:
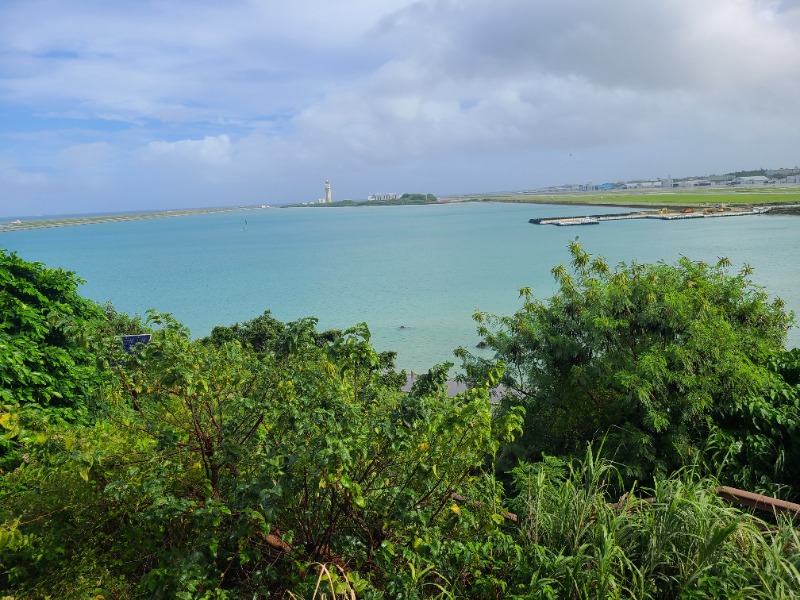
(650, 357)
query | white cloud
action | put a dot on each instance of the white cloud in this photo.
(13, 179)
(519, 73)
(263, 95)
(91, 156)
(212, 151)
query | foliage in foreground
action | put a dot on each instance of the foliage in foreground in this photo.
(656, 359)
(51, 340)
(44, 359)
(273, 460)
(218, 471)
(676, 540)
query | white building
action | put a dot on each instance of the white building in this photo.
(641, 185)
(752, 180)
(693, 183)
(389, 196)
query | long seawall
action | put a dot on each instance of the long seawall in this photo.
(672, 216)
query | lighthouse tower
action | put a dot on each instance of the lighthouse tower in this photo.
(327, 191)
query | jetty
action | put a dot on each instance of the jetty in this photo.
(48, 222)
(663, 215)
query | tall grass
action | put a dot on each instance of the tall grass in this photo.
(676, 540)
(579, 534)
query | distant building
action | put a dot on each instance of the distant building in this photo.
(719, 179)
(782, 172)
(327, 192)
(389, 196)
(640, 185)
(692, 183)
(752, 180)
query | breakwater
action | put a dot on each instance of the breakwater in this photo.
(663, 216)
(66, 221)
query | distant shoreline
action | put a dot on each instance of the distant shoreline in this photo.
(46, 223)
(640, 201)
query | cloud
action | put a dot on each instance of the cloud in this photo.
(653, 45)
(13, 179)
(517, 74)
(257, 97)
(211, 151)
(91, 156)
(175, 61)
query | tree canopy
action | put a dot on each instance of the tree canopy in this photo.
(44, 357)
(651, 358)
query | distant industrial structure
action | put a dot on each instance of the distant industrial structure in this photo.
(761, 177)
(752, 180)
(642, 185)
(327, 198)
(389, 196)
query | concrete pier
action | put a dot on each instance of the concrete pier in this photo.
(669, 216)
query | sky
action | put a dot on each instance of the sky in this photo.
(160, 104)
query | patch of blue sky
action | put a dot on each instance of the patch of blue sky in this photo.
(58, 54)
(273, 124)
(19, 120)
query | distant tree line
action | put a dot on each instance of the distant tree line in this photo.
(402, 200)
(755, 173)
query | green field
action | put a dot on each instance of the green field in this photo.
(743, 197)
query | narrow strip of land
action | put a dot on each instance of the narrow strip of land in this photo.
(44, 223)
(671, 198)
(780, 200)
(663, 214)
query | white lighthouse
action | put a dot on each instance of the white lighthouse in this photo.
(327, 192)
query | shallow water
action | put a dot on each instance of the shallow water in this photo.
(414, 274)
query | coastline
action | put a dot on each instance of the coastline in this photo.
(745, 197)
(780, 201)
(46, 223)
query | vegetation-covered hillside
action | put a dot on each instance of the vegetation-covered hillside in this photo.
(272, 460)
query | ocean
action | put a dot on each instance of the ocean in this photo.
(414, 274)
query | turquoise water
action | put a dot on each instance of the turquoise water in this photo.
(414, 274)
